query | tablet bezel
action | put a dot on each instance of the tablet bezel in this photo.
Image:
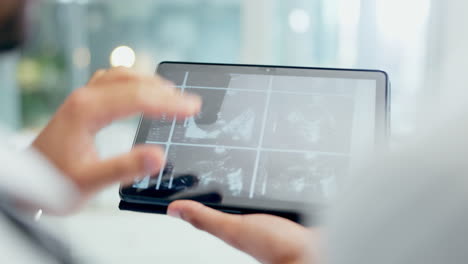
(132, 195)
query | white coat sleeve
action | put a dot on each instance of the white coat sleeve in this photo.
(30, 178)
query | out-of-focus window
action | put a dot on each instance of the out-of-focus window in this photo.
(72, 38)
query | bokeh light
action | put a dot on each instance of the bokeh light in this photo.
(299, 21)
(123, 56)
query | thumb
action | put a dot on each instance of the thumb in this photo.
(267, 238)
(142, 160)
(221, 225)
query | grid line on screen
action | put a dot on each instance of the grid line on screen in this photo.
(169, 140)
(298, 151)
(263, 91)
(260, 142)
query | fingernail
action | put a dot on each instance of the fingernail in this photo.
(168, 85)
(192, 101)
(151, 165)
(174, 213)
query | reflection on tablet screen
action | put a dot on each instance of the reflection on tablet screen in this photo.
(266, 136)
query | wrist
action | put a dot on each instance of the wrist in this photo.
(54, 193)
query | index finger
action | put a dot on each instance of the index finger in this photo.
(136, 96)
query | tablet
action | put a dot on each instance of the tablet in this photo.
(269, 139)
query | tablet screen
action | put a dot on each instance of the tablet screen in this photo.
(272, 135)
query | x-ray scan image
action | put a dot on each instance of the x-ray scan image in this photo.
(259, 136)
(223, 120)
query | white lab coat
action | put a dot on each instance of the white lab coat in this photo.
(26, 177)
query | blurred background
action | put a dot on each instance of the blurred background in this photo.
(420, 43)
